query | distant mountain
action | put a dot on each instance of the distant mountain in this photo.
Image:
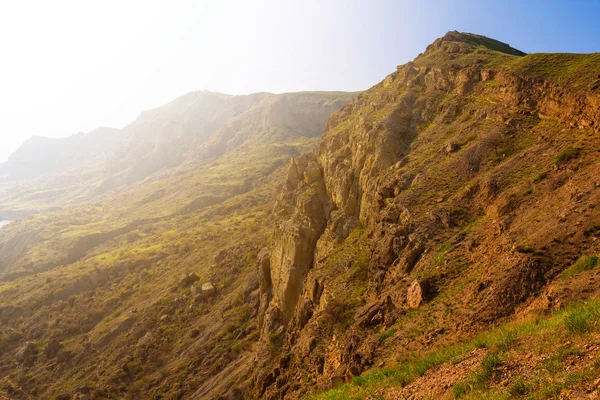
(207, 124)
(42, 156)
(192, 129)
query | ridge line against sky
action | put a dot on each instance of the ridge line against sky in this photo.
(71, 66)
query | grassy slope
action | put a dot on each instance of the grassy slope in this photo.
(555, 352)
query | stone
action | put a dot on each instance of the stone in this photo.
(208, 289)
(416, 294)
(451, 148)
(194, 333)
(192, 277)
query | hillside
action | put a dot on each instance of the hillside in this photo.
(435, 236)
(84, 283)
(447, 199)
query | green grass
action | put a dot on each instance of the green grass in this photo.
(585, 263)
(387, 334)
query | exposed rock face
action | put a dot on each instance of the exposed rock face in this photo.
(304, 209)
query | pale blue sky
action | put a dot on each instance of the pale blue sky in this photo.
(70, 66)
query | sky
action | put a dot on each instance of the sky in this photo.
(72, 66)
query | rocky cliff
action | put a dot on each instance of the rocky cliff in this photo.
(469, 174)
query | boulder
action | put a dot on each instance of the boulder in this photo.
(416, 294)
(186, 280)
(208, 289)
(451, 148)
(192, 277)
(123, 326)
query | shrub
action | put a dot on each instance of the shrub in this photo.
(519, 388)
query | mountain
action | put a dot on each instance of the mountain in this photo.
(42, 156)
(191, 130)
(438, 239)
(459, 193)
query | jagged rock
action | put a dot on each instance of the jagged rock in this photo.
(312, 173)
(264, 270)
(416, 294)
(410, 255)
(52, 348)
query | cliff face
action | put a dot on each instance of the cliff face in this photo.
(469, 174)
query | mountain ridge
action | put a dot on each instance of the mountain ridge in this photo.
(375, 260)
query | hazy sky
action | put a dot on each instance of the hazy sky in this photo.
(69, 66)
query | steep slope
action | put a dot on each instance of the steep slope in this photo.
(105, 298)
(446, 198)
(41, 156)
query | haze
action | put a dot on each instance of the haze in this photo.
(70, 66)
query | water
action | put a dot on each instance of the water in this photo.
(4, 223)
